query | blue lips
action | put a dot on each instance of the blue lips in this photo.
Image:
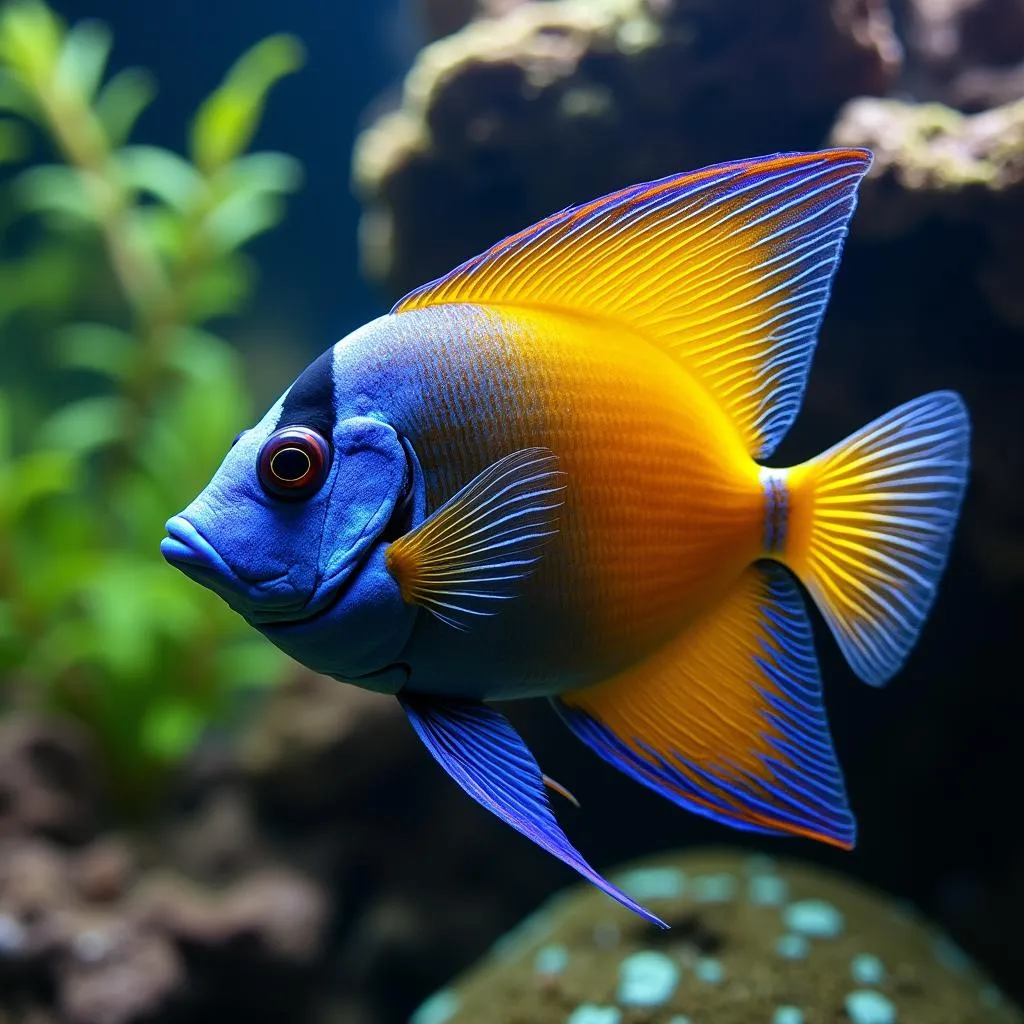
(186, 549)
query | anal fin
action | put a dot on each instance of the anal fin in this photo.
(728, 719)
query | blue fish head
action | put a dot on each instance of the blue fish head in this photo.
(291, 529)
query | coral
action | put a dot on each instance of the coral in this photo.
(751, 942)
(557, 102)
(931, 161)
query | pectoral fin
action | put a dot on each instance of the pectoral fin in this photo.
(472, 552)
(479, 749)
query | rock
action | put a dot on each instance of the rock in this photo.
(558, 102)
(103, 871)
(48, 779)
(931, 162)
(277, 915)
(320, 747)
(751, 942)
(114, 973)
(968, 53)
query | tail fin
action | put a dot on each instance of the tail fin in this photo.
(871, 522)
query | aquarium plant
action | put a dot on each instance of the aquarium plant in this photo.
(117, 400)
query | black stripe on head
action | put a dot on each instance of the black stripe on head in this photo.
(310, 402)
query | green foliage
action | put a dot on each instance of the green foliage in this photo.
(116, 402)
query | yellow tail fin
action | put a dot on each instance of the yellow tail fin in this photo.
(869, 524)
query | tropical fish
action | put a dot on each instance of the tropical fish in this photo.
(542, 475)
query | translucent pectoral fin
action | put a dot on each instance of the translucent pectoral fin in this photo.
(473, 552)
(479, 749)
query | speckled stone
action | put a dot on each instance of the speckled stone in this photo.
(831, 950)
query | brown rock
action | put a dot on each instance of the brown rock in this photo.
(968, 53)
(556, 103)
(48, 779)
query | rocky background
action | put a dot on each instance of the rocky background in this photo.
(320, 868)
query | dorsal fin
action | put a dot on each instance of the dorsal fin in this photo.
(729, 268)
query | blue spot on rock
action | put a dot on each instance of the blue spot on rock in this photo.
(788, 1015)
(816, 918)
(991, 997)
(949, 954)
(647, 979)
(866, 969)
(530, 929)
(759, 864)
(767, 890)
(679, 1020)
(588, 1013)
(714, 888)
(709, 970)
(791, 947)
(652, 883)
(440, 1007)
(866, 1007)
(551, 960)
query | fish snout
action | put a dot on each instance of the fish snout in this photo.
(185, 546)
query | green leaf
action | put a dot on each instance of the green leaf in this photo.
(261, 172)
(53, 188)
(83, 59)
(220, 291)
(15, 97)
(251, 663)
(239, 218)
(96, 347)
(5, 428)
(13, 141)
(30, 40)
(85, 425)
(121, 102)
(39, 475)
(171, 729)
(160, 173)
(226, 122)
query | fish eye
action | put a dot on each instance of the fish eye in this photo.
(293, 462)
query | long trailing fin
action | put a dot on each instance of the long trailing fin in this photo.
(728, 719)
(870, 525)
(729, 268)
(472, 553)
(479, 749)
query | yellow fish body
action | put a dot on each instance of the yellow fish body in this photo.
(548, 470)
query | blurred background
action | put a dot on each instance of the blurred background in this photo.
(196, 200)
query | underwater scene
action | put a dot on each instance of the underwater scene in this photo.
(511, 512)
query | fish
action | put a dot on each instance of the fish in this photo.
(544, 475)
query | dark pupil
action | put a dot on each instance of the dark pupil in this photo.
(290, 464)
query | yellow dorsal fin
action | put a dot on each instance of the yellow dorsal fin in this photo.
(729, 268)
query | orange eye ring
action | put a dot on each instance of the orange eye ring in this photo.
(293, 462)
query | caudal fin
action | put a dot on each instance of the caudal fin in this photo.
(870, 524)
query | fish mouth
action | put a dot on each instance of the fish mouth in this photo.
(189, 551)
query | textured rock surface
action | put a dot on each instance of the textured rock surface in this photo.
(968, 53)
(931, 161)
(48, 779)
(751, 942)
(556, 102)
